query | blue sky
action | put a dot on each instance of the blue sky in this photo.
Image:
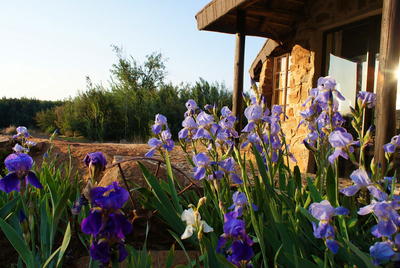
(47, 48)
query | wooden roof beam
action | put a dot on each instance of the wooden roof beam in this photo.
(247, 4)
(275, 13)
(247, 18)
(280, 24)
(301, 2)
(264, 27)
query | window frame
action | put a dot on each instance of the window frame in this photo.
(286, 82)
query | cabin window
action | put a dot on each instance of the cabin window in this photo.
(281, 85)
(351, 57)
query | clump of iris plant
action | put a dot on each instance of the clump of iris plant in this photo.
(107, 224)
(323, 119)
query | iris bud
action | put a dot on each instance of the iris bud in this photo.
(201, 201)
(373, 165)
(391, 165)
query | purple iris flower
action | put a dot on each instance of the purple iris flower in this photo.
(312, 95)
(96, 162)
(154, 144)
(337, 119)
(277, 110)
(106, 223)
(391, 146)
(275, 146)
(30, 144)
(82, 201)
(254, 114)
(342, 142)
(366, 99)
(239, 201)
(201, 160)
(324, 120)
(191, 105)
(216, 175)
(222, 139)
(205, 122)
(227, 122)
(228, 166)
(93, 223)
(159, 123)
(100, 251)
(114, 231)
(378, 194)
(308, 115)
(275, 141)
(311, 138)
(116, 225)
(18, 167)
(111, 198)
(208, 107)
(326, 232)
(234, 229)
(382, 251)
(388, 218)
(240, 252)
(361, 180)
(324, 212)
(190, 126)
(22, 131)
(226, 112)
(19, 149)
(255, 140)
(166, 142)
(327, 88)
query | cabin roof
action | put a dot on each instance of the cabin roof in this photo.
(274, 19)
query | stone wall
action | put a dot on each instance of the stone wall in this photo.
(300, 80)
(305, 66)
(265, 87)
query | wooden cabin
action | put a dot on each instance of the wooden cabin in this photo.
(355, 41)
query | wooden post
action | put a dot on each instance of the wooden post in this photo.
(373, 49)
(387, 80)
(237, 98)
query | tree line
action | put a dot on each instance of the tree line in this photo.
(127, 107)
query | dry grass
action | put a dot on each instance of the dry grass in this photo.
(11, 130)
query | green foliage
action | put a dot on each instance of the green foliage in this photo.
(126, 109)
(46, 210)
(21, 111)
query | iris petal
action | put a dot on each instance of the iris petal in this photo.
(33, 180)
(10, 183)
